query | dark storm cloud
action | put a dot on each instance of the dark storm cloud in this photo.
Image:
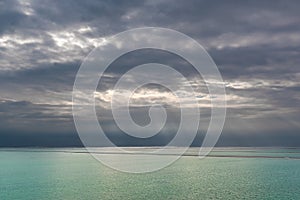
(10, 16)
(254, 43)
(24, 114)
(257, 61)
(55, 77)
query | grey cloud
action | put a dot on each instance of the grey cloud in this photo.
(26, 111)
(43, 44)
(10, 16)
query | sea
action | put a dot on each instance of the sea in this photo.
(226, 173)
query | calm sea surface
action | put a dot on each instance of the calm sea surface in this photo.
(229, 173)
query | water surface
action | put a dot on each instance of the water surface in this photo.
(229, 173)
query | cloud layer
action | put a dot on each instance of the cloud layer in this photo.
(254, 43)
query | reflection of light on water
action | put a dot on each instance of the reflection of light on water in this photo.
(71, 173)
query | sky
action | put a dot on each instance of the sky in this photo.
(255, 44)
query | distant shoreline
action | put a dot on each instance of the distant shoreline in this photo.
(143, 151)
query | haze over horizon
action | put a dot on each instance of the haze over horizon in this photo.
(254, 44)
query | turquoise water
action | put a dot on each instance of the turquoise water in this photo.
(67, 174)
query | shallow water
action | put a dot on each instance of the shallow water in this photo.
(241, 173)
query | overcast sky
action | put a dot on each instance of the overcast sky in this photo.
(255, 44)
